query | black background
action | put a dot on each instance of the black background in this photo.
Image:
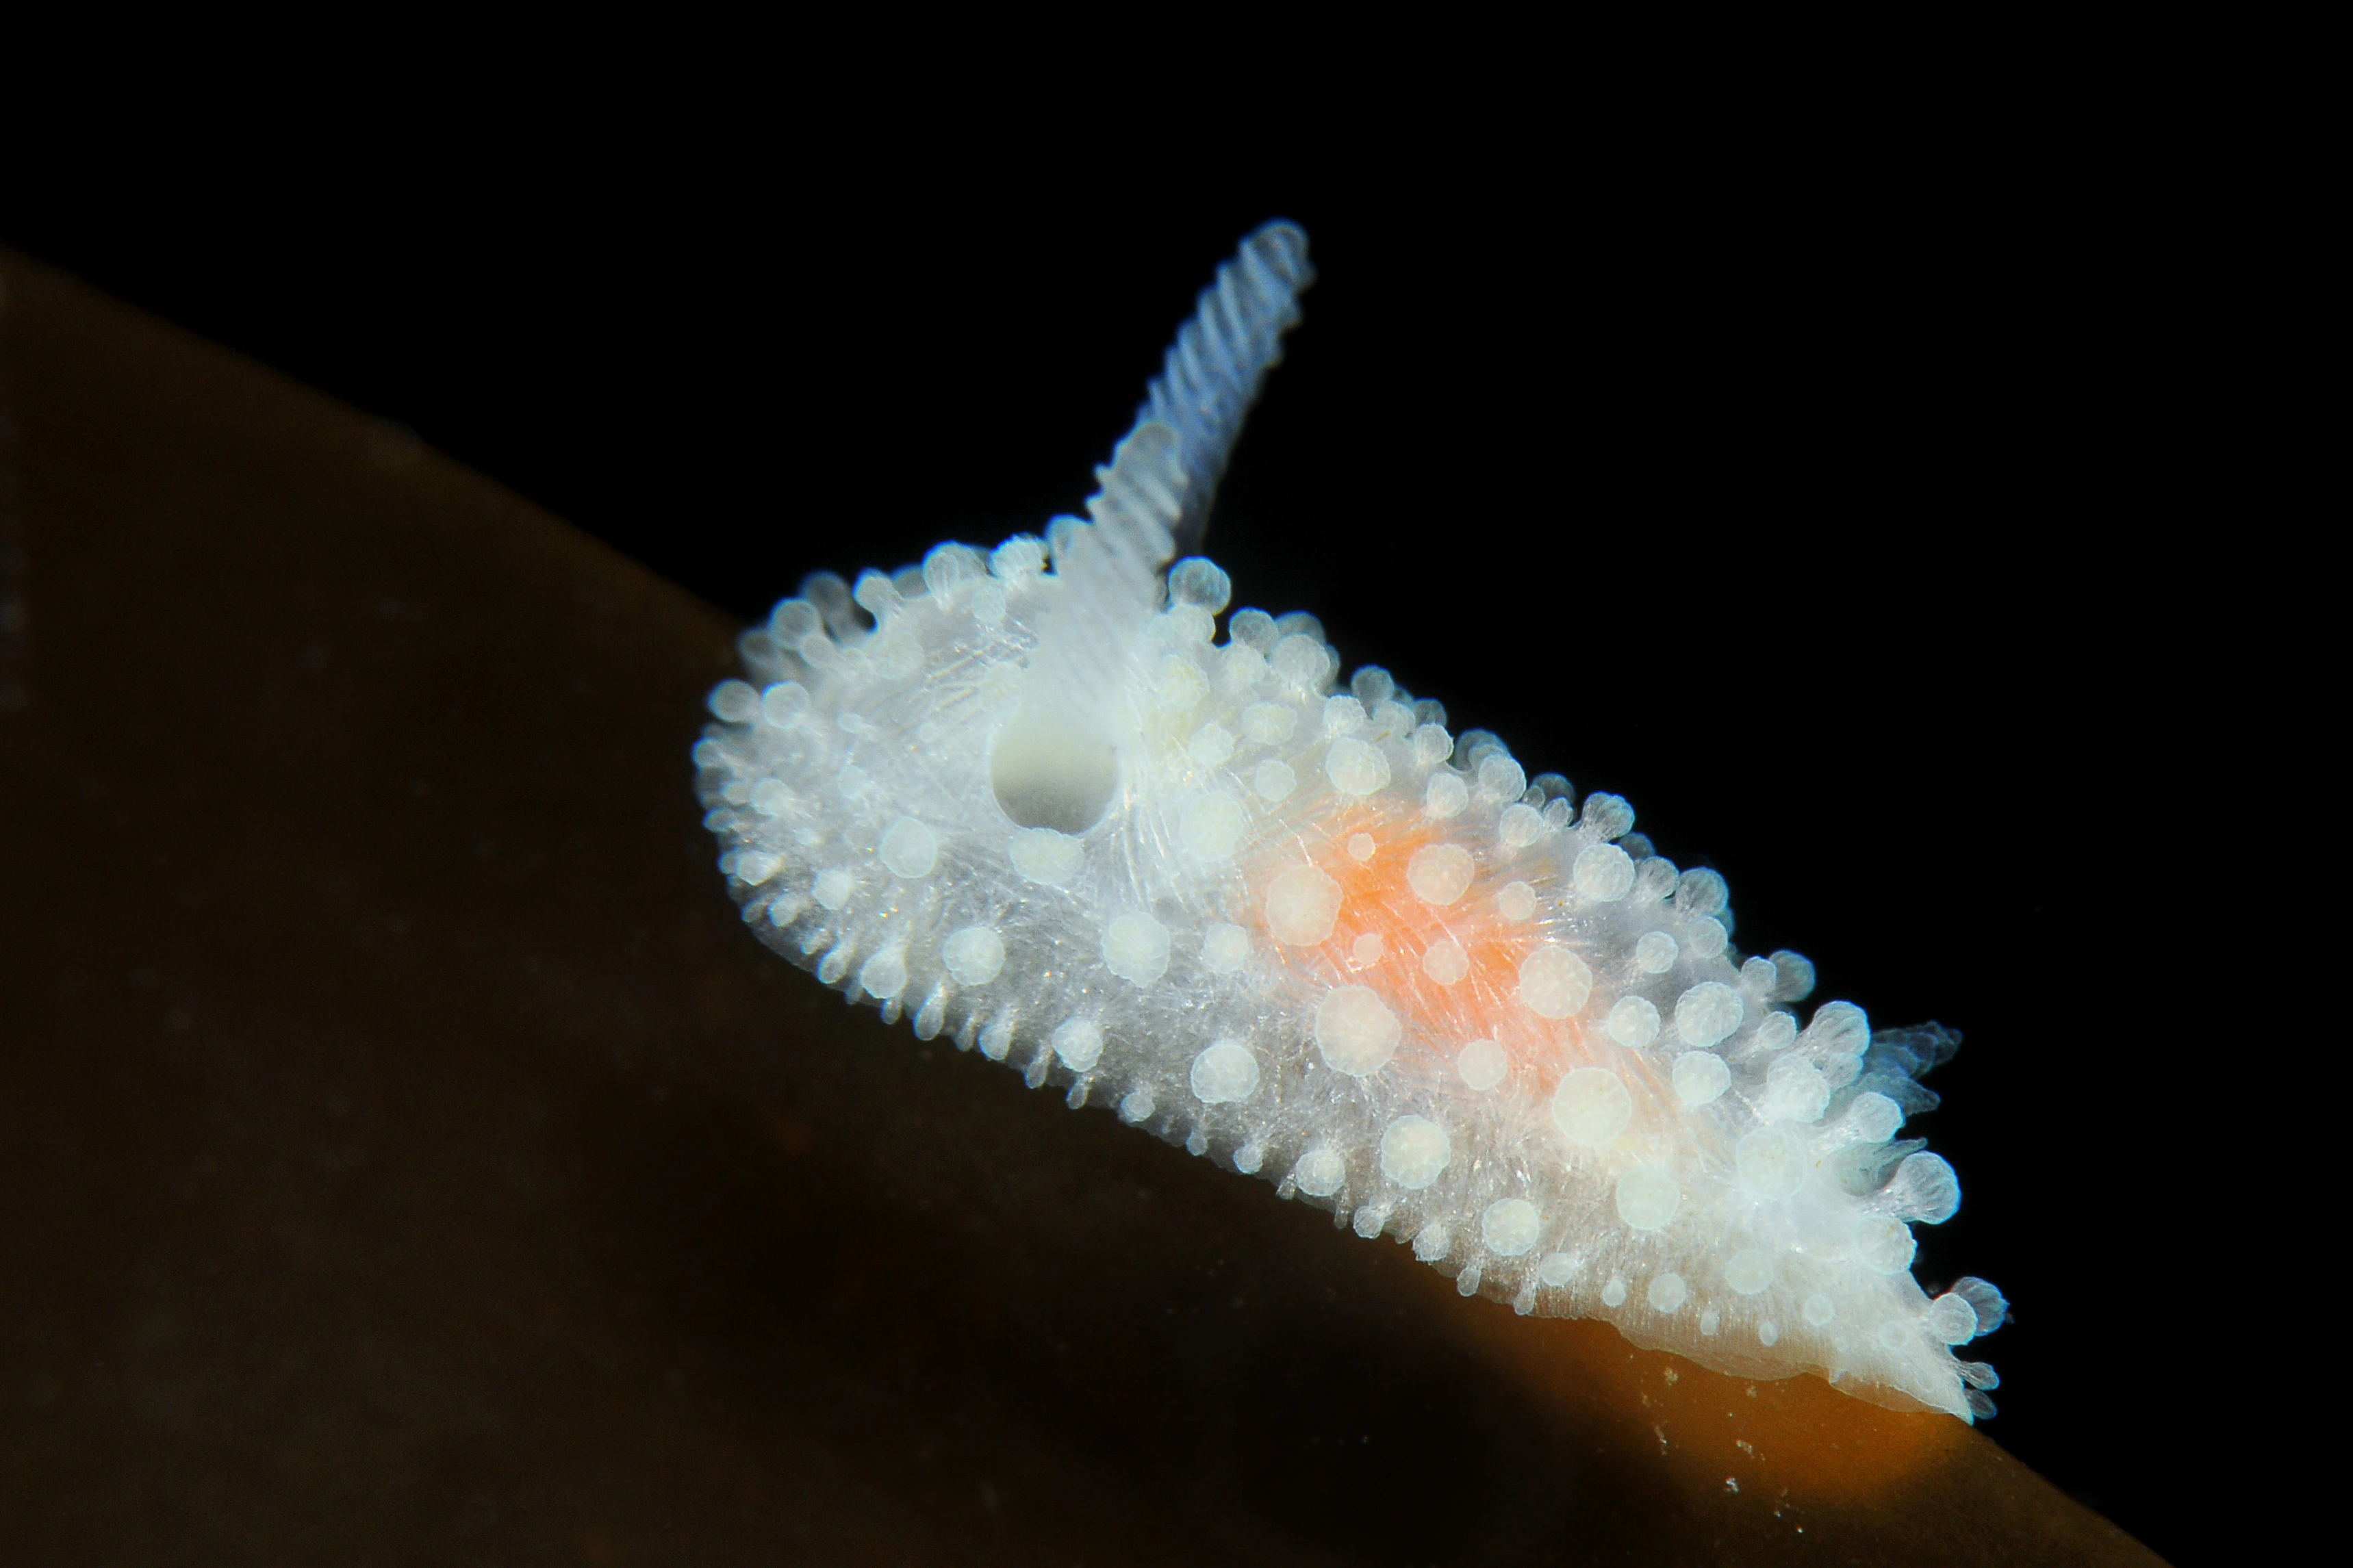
(1823, 511)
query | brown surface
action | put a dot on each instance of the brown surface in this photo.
(405, 1158)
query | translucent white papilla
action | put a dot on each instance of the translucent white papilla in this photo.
(1039, 807)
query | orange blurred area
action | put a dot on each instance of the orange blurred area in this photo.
(1793, 1437)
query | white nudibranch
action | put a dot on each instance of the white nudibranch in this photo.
(1040, 807)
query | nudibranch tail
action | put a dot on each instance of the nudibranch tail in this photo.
(1040, 808)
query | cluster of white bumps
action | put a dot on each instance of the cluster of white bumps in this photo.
(1314, 935)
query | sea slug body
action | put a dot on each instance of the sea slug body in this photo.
(1029, 799)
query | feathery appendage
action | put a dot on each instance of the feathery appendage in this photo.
(1307, 930)
(1213, 371)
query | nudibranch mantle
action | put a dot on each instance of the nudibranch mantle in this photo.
(1037, 806)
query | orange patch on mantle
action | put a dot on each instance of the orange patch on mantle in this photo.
(1377, 901)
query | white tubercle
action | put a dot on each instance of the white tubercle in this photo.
(1028, 798)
